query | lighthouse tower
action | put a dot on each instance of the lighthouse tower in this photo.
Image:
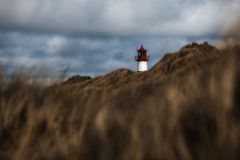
(142, 59)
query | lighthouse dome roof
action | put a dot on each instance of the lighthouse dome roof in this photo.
(141, 49)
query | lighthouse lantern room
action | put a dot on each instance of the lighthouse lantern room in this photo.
(142, 59)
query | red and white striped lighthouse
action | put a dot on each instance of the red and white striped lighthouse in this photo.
(142, 59)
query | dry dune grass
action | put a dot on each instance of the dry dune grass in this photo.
(184, 108)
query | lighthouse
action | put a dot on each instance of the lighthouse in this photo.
(141, 59)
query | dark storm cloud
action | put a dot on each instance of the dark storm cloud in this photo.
(94, 37)
(79, 55)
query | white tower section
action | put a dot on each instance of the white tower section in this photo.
(142, 66)
(142, 59)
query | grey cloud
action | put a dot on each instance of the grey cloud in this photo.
(231, 26)
(113, 17)
(94, 37)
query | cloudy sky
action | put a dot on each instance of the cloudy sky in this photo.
(93, 37)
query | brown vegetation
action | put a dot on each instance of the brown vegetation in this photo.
(185, 107)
